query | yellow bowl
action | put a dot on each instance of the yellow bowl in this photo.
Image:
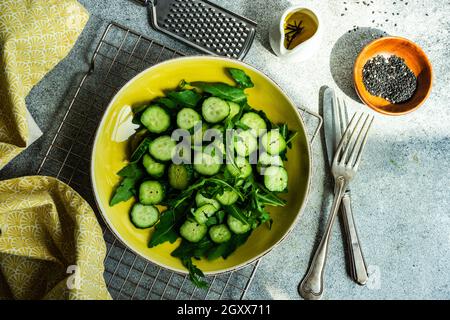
(110, 154)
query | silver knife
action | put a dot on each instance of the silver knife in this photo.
(358, 268)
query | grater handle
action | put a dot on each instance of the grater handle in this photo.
(145, 3)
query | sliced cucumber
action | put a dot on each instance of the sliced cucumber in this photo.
(254, 122)
(266, 160)
(245, 143)
(187, 118)
(241, 168)
(199, 134)
(153, 168)
(218, 127)
(179, 176)
(234, 109)
(201, 200)
(237, 226)
(193, 231)
(206, 164)
(215, 149)
(228, 197)
(215, 110)
(155, 119)
(144, 216)
(202, 214)
(276, 179)
(162, 148)
(151, 192)
(219, 233)
(273, 142)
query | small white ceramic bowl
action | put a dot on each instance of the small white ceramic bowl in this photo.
(304, 50)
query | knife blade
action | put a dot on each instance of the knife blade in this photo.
(333, 135)
(329, 123)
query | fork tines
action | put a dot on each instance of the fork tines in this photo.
(353, 140)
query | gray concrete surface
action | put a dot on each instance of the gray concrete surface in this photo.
(401, 195)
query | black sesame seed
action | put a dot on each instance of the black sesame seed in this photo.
(389, 78)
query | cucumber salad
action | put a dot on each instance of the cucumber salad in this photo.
(204, 165)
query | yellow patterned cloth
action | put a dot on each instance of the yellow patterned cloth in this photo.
(34, 36)
(51, 246)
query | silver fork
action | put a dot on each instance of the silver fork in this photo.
(358, 268)
(345, 165)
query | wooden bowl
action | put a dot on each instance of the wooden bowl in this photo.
(415, 59)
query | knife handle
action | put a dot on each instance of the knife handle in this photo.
(357, 264)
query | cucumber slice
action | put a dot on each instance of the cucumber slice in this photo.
(201, 200)
(162, 148)
(151, 192)
(237, 226)
(155, 119)
(202, 214)
(276, 179)
(219, 233)
(266, 160)
(218, 127)
(206, 164)
(228, 197)
(193, 231)
(187, 118)
(234, 109)
(245, 143)
(254, 122)
(153, 168)
(215, 110)
(241, 168)
(198, 135)
(144, 217)
(273, 142)
(179, 176)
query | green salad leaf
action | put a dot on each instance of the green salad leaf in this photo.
(241, 78)
(222, 90)
(195, 274)
(185, 98)
(140, 150)
(132, 173)
(225, 249)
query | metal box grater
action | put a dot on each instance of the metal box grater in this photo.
(203, 25)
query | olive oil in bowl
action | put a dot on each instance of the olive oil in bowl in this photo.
(299, 27)
(297, 33)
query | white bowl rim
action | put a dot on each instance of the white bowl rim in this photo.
(184, 271)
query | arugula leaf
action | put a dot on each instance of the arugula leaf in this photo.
(166, 102)
(185, 98)
(238, 214)
(290, 138)
(195, 274)
(166, 229)
(211, 221)
(133, 170)
(220, 216)
(123, 192)
(140, 150)
(241, 78)
(222, 90)
(126, 189)
(188, 249)
(225, 249)
(269, 199)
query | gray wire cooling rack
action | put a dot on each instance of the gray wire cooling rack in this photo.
(120, 55)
